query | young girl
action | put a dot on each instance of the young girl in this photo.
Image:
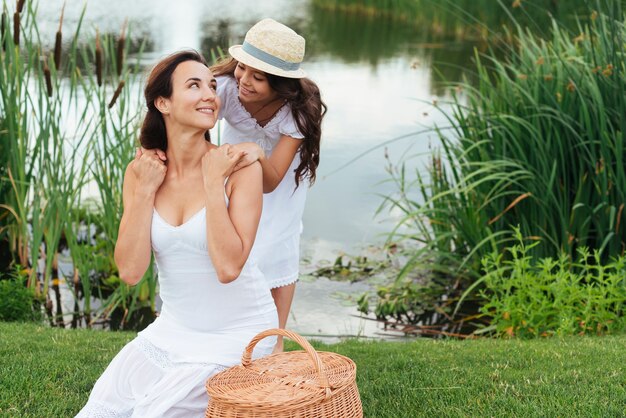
(274, 115)
(200, 219)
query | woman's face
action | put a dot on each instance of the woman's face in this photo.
(194, 101)
(253, 85)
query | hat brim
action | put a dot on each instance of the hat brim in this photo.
(242, 56)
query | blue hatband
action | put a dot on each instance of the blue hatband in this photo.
(269, 58)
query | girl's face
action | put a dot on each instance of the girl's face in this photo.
(253, 85)
(194, 101)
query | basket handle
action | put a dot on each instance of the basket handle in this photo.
(246, 359)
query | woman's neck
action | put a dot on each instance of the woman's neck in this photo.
(185, 150)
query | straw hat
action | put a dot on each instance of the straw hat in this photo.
(273, 48)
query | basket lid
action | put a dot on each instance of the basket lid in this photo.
(283, 380)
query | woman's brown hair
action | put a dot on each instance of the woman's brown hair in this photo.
(159, 84)
(307, 108)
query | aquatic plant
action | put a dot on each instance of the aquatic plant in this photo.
(538, 142)
(67, 120)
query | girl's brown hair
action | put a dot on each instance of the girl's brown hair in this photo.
(159, 84)
(307, 108)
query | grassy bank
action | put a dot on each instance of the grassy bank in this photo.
(48, 373)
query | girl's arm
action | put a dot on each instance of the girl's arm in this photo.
(276, 165)
(143, 178)
(231, 229)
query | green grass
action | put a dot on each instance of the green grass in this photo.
(48, 372)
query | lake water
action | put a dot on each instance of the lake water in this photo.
(378, 81)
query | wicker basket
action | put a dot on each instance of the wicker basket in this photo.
(293, 384)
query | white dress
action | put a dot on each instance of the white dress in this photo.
(277, 244)
(204, 327)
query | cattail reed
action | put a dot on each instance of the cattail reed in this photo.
(58, 42)
(46, 73)
(16, 28)
(120, 49)
(116, 94)
(4, 26)
(98, 59)
(20, 5)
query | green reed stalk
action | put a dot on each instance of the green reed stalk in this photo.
(60, 169)
(15, 73)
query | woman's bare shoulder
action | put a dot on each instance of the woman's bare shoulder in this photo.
(129, 174)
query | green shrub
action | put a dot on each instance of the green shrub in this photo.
(530, 297)
(17, 301)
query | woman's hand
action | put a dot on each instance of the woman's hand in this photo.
(253, 152)
(149, 170)
(219, 163)
(159, 152)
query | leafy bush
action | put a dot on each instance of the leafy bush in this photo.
(17, 301)
(529, 297)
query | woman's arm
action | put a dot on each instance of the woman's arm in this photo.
(276, 165)
(231, 229)
(142, 179)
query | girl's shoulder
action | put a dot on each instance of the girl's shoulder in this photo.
(287, 124)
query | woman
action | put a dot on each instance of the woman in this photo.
(200, 220)
(274, 115)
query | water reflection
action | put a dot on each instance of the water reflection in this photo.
(370, 42)
(357, 39)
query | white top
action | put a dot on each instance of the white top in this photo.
(203, 320)
(277, 242)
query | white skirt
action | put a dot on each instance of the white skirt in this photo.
(279, 260)
(142, 381)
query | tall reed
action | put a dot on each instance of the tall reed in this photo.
(22, 150)
(118, 111)
(539, 142)
(62, 128)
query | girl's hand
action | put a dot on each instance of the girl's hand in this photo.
(253, 152)
(219, 163)
(149, 169)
